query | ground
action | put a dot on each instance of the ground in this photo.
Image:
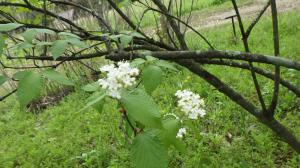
(214, 18)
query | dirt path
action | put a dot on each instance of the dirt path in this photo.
(206, 19)
(248, 11)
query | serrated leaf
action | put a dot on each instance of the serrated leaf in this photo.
(9, 26)
(2, 43)
(24, 45)
(128, 128)
(77, 42)
(58, 48)
(150, 58)
(166, 64)
(141, 107)
(44, 43)
(2, 79)
(29, 88)
(137, 62)
(125, 39)
(152, 76)
(47, 31)
(31, 33)
(92, 87)
(98, 105)
(179, 145)
(169, 132)
(20, 75)
(136, 34)
(171, 127)
(96, 101)
(68, 35)
(114, 37)
(57, 77)
(147, 151)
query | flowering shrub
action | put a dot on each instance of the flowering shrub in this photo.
(131, 85)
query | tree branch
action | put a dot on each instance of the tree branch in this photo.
(274, 101)
(245, 42)
(255, 21)
(267, 74)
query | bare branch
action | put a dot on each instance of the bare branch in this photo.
(270, 75)
(246, 46)
(255, 21)
(276, 52)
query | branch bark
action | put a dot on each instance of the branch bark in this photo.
(274, 101)
(267, 74)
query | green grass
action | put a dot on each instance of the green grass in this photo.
(62, 137)
(187, 6)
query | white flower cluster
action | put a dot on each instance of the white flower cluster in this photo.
(118, 77)
(190, 103)
(181, 132)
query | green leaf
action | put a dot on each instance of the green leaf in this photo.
(68, 35)
(20, 75)
(124, 3)
(171, 127)
(152, 76)
(150, 58)
(141, 107)
(166, 64)
(24, 45)
(2, 43)
(96, 101)
(57, 77)
(2, 79)
(147, 151)
(128, 128)
(125, 39)
(77, 42)
(29, 34)
(46, 31)
(99, 105)
(136, 34)
(179, 145)
(168, 133)
(137, 62)
(92, 87)
(9, 26)
(29, 88)
(44, 43)
(58, 48)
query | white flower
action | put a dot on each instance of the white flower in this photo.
(181, 132)
(190, 103)
(118, 77)
(107, 68)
